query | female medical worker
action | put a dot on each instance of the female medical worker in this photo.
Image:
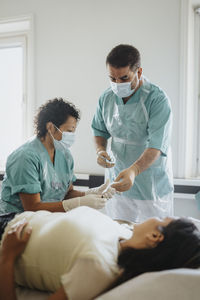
(137, 115)
(39, 174)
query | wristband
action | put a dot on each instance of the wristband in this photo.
(71, 203)
(99, 149)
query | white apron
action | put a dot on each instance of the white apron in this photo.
(152, 192)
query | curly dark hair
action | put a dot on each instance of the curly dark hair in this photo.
(179, 249)
(123, 56)
(56, 111)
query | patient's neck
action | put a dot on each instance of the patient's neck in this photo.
(136, 242)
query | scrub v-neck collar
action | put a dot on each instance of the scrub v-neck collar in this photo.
(43, 148)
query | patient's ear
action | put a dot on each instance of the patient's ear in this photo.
(153, 238)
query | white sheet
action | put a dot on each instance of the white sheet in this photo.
(26, 294)
(179, 284)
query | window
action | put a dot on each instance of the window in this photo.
(197, 85)
(15, 92)
(11, 95)
(189, 107)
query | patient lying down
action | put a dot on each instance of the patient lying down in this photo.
(82, 253)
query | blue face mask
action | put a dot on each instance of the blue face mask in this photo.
(122, 90)
(68, 138)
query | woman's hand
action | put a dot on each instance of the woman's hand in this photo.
(16, 239)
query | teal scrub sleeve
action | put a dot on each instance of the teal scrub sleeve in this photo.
(23, 174)
(73, 178)
(159, 125)
(98, 124)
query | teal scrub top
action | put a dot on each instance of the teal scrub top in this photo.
(145, 121)
(29, 170)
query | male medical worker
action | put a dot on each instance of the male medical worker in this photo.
(137, 115)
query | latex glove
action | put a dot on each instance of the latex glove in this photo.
(104, 160)
(126, 178)
(105, 190)
(92, 200)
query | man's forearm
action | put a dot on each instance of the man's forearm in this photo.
(7, 285)
(100, 143)
(148, 157)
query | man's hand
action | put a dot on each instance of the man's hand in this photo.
(104, 160)
(126, 178)
(15, 241)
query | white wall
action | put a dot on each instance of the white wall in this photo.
(72, 39)
(186, 206)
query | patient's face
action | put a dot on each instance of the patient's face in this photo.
(148, 233)
(152, 224)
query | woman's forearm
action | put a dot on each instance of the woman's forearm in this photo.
(7, 285)
(50, 206)
(32, 202)
(74, 193)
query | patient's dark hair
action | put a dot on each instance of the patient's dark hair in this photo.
(123, 56)
(179, 249)
(56, 111)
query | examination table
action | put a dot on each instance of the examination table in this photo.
(179, 284)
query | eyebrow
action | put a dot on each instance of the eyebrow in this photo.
(123, 77)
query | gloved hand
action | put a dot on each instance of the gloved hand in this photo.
(94, 201)
(104, 160)
(105, 190)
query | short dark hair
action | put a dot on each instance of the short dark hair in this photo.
(179, 249)
(123, 56)
(56, 111)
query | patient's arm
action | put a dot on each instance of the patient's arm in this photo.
(7, 289)
(13, 245)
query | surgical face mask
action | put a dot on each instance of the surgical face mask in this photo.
(122, 90)
(68, 138)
